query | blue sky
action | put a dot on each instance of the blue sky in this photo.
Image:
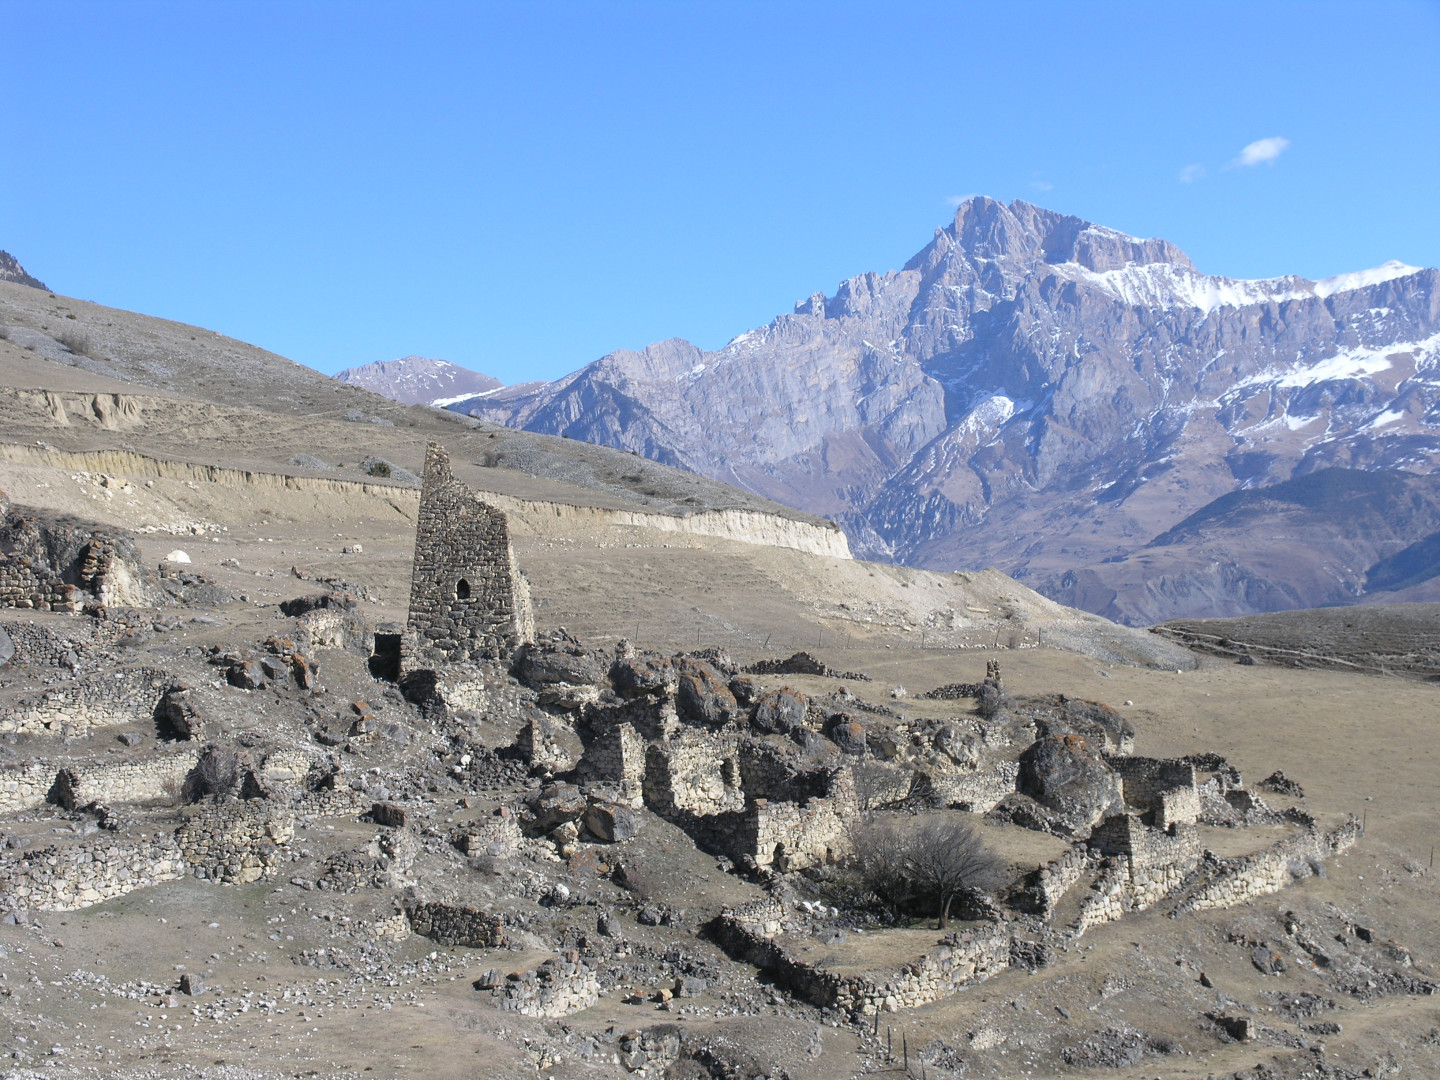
(521, 188)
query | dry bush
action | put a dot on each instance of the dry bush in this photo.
(922, 863)
(216, 773)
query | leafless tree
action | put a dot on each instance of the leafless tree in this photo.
(909, 862)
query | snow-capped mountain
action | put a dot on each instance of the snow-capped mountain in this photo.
(419, 380)
(1052, 397)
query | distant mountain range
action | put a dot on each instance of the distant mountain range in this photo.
(1081, 408)
(419, 380)
(11, 270)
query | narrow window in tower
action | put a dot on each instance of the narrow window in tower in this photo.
(462, 589)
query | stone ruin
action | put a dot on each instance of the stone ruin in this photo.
(467, 599)
(60, 564)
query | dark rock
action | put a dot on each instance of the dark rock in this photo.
(176, 713)
(388, 814)
(780, 710)
(701, 695)
(131, 738)
(1281, 784)
(193, 985)
(650, 915)
(1364, 933)
(1267, 961)
(745, 689)
(611, 822)
(539, 666)
(247, 675)
(607, 924)
(554, 805)
(1237, 1027)
(633, 676)
(1067, 774)
(303, 605)
(847, 733)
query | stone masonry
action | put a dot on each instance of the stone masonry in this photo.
(467, 600)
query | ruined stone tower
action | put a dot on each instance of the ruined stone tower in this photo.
(467, 599)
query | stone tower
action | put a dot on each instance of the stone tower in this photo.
(467, 600)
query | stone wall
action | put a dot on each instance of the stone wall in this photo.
(558, 987)
(753, 933)
(1107, 899)
(695, 772)
(25, 786)
(110, 699)
(1234, 881)
(82, 644)
(235, 842)
(456, 924)
(155, 780)
(58, 564)
(616, 755)
(79, 875)
(1161, 787)
(1046, 886)
(791, 836)
(978, 792)
(466, 597)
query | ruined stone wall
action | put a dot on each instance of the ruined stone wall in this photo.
(467, 600)
(1108, 898)
(558, 987)
(792, 836)
(26, 583)
(978, 792)
(81, 646)
(1234, 881)
(456, 924)
(235, 842)
(156, 780)
(79, 875)
(616, 755)
(1156, 862)
(25, 786)
(689, 773)
(110, 699)
(754, 932)
(1048, 885)
(1164, 787)
(57, 564)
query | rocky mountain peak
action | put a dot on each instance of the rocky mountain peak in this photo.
(1050, 396)
(419, 380)
(11, 270)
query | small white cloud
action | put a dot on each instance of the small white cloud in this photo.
(956, 200)
(1190, 173)
(1262, 152)
(1042, 185)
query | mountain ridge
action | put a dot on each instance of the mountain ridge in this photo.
(1030, 390)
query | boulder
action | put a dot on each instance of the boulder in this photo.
(388, 814)
(701, 695)
(633, 676)
(539, 666)
(611, 822)
(847, 733)
(176, 712)
(957, 745)
(554, 804)
(745, 689)
(247, 675)
(1068, 775)
(780, 710)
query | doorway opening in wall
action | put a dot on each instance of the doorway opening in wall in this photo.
(462, 589)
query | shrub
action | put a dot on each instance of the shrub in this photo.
(380, 468)
(922, 863)
(76, 341)
(216, 773)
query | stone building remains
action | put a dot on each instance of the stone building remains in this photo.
(467, 599)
